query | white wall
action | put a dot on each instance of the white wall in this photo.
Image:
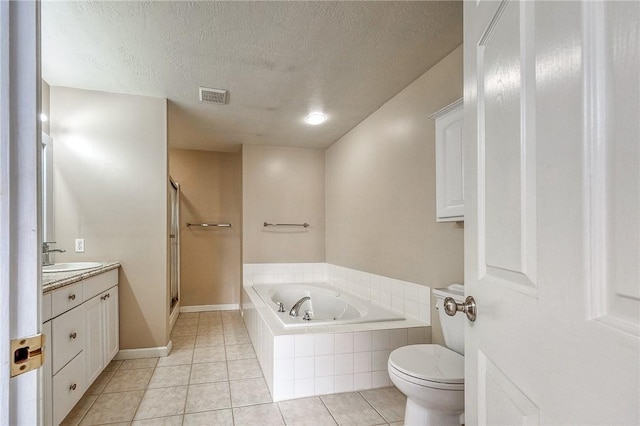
(110, 165)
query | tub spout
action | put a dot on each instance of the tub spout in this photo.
(296, 308)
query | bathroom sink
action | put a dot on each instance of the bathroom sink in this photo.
(70, 266)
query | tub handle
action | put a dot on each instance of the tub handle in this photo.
(281, 307)
(306, 316)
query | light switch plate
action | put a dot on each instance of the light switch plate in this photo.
(79, 245)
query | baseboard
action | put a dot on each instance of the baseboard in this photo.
(174, 317)
(207, 308)
(160, 351)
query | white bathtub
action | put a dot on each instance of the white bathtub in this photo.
(326, 306)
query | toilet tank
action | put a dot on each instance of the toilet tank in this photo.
(452, 327)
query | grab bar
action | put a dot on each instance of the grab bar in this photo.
(207, 225)
(306, 225)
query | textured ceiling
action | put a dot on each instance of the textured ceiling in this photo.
(279, 61)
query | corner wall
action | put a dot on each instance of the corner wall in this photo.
(380, 189)
(283, 185)
(110, 186)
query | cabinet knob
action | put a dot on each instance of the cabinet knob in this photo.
(108, 295)
(72, 297)
(73, 335)
(73, 387)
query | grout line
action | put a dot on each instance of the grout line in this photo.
(280, 410)
(143, 393)
(328, 410)
(224, 345)
(193, 354)
(372, 406)
(98, 395)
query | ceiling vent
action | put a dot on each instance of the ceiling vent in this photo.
(213, 96)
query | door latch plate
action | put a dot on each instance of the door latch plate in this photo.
(27, 354)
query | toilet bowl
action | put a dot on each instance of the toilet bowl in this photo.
(432, 376)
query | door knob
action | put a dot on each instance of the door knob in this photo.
(451, 307)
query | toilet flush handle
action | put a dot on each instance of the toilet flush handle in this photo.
(451, 307)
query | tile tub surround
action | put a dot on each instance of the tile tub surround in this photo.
(198, 388)
(316, 361)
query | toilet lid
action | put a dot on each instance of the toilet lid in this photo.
(433, 363)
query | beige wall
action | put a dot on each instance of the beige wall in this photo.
(380, 189)
(110, 180)
(210, 257)
(283, 185)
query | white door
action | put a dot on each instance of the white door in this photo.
(20, 242)
(552, 226)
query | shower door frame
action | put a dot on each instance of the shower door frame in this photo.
(174, 264)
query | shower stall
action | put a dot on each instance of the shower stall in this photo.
(174, 261)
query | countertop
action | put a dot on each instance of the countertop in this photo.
(54, 280)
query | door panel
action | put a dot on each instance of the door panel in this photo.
(552, 235)
(498, 391)
(615, 164)
(507, 170)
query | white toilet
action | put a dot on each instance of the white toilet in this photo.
(432, 376)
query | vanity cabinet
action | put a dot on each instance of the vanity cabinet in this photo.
(81, 326)
(449, 163)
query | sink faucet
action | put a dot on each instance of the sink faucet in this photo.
(296, 308)
(46, 261)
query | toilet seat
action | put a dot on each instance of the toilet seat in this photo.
(432, 366)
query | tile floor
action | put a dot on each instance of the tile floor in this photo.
(212, 377)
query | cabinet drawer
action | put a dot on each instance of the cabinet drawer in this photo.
(95, 285)
(66, 298)
(68, 337)
(68, 387)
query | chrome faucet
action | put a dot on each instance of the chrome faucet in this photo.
(46, 261)
(296, 308)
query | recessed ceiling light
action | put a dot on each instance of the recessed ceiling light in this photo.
(315, 118)
(43, 117)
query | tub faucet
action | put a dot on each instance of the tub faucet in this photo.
(45, 252)
(296, 308)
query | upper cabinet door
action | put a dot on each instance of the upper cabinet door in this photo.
(449, 163)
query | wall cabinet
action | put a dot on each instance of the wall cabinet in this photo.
(82, 330)
(449, 163)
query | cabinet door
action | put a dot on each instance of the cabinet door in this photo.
(449, 167)
(111, 325)
(94, 336)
